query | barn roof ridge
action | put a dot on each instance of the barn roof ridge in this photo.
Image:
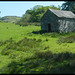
(63, 13)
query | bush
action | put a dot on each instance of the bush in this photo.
(6, 52)
(44, 55)
(69, 39)
(46, 47)
(22, 45)
(39, 40)
(54, 35)
(62, 56)
(34, 39)
(47, 39)
(42, 63)
(27, 24)
(0, 20)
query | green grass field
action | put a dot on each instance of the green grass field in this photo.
(23, 50)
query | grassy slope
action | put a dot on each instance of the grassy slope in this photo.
(8, 30)
(10, 18)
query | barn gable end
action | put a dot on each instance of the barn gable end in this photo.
(48, 19)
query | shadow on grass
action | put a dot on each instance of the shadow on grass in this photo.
(45, 33)
(39, 32)
(43, 63)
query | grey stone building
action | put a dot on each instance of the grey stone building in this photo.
(58, 21)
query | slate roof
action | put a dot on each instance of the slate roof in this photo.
(63, 13)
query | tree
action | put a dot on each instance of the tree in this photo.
(69, 5)
(34, 14)
(38, 11)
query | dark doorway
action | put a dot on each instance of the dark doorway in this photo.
(49, 27)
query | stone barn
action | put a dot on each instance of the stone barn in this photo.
(58, 21)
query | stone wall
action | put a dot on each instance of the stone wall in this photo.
(49, 18)
(66, 25)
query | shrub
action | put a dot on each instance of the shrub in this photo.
(44, 55)
(42, 63)
(27, 24)
(1, 43)
(34, 39)
(46, 47)
(0, 20)
(39, 40)
(54, 35)
(22, 45)
(6, 52)
(69, 39)
(47, 39)
(62, 56)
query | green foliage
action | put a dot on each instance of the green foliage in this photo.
(27, 24)
(0, 20)
(69, 39)
(53, 34)
(43, 55)
(46, 47)
(5, 42)
(69, 5)
(35, 14)
(22, 45)
(47, 39)
(42, 63)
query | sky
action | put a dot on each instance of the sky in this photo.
(18, 8)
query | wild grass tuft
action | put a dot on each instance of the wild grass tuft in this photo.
(69, 39)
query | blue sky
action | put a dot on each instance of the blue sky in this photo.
(18, 8)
